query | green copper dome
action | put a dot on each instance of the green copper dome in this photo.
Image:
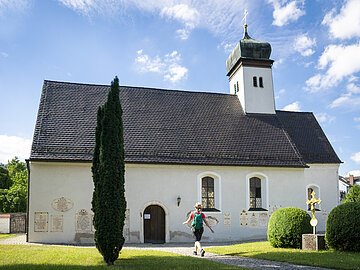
(248, 48)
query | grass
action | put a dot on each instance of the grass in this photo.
(6, 235)
(14, 257)
(263, 250)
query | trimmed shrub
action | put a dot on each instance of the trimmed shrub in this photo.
(286, 226)
(342, 227)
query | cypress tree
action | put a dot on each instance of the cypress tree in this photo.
(108, 203)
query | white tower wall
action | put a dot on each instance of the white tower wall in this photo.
(254, 99)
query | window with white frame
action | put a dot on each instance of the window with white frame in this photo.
(209, 185)
(208, 192)
(257, 193)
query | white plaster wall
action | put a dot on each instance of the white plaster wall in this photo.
(254, 99)
(326, 176)
(162, 184)
(49, 181)
(4, 223)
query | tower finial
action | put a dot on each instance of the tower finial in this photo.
(246, 13)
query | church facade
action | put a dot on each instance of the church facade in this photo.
(235, 153)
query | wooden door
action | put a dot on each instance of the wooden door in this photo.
(154, 224)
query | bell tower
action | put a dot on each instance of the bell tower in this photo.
(249, 69)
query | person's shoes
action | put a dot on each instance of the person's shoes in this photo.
(195, 253)
(202, 252)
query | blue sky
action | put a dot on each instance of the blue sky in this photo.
(181, 45)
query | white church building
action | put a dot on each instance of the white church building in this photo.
(235, 153)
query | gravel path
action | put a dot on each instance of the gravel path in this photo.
(186, 249)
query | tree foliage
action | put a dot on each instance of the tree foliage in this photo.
(342, 227)
(353, 195)
(108, 202)
(5, 181)
(13, 187)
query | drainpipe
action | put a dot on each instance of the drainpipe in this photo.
(28, 200)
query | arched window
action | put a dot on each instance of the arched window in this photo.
(261, 83)
(255, 193)
(208, 192)
(255, 81)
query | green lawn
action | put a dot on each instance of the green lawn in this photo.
(263, 250)
(3, 236)
(57, 257)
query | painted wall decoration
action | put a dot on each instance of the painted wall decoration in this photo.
(41, 221)
(83, 221)
(57, 223)
(62, 204)
(243, 218)
(227, 219)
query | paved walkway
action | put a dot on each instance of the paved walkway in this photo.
(186, 249)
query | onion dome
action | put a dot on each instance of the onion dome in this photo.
(248, 48)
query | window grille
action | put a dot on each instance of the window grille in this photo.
(255, 193)
(208, 192)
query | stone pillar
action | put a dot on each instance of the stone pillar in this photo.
(313, 242)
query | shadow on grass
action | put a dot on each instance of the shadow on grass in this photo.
(139, 262)
(327, 258)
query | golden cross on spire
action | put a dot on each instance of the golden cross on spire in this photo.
(246, 13)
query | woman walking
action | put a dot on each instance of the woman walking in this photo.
(197, 218)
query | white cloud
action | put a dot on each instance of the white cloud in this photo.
(286, 12)
(346, 24)
(351, 97)
(4, 54)
(340, 61)
(219, 17)
(148, 64)
(295, 107)
(346, 100)
(187, 15)
(83, 6)
(354, 173)
(357, 119)
(11, 146)
(183, 34)
(168, 65)
(14, 5)
(356, 157)
(175, 73)
(324, 118)
(304, 45)
(182, 12)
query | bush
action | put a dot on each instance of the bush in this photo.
(342, 227)
(286, 226)
(353, 195)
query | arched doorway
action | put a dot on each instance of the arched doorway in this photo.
(154, 224)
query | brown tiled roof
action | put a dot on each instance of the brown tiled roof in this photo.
(176, 127)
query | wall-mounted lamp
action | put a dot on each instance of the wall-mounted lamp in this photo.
(178, 199)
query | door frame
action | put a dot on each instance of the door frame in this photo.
(157, 203)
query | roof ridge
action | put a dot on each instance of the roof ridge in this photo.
(283, 111)
(141, 87)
